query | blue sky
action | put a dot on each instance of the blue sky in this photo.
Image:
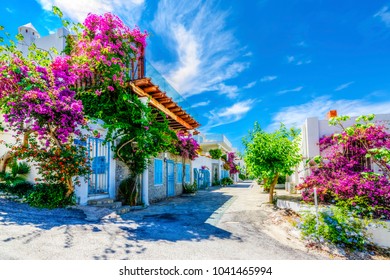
(238, 62)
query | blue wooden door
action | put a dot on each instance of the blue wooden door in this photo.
(99, 155)
(170, 178)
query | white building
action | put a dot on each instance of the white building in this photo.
(55, 40)
(158, 180)
(205, 166)
(311, 131)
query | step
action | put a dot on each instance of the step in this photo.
(113, 205)
(101, 201)
(126, 209)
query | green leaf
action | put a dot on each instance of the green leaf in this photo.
(19, 37)
(57, 11)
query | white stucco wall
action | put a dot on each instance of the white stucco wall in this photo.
(56, 40)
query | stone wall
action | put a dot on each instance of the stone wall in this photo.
(159, 192)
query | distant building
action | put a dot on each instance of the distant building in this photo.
(55, 40)
(205, 166)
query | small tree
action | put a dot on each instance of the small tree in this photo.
(270, 155)
(215, 153)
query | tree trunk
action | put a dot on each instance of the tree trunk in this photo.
(272, 187)
(183, 173)
(70, 187)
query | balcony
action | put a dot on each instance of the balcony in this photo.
(218, 140)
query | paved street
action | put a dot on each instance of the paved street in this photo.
(221, 223)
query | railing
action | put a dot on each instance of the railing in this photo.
(159, 80)
(137, 68)
(212, 138)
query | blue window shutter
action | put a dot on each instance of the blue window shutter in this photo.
(188, 174)
(179, 172)
(158, 171)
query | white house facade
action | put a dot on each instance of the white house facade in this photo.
(161, 179)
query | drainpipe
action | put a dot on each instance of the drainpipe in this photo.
(145, 174)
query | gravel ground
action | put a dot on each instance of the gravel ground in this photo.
(220, 223)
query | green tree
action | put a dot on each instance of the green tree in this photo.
(270, 155)
(215, 153)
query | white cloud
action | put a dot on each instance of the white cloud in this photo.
(384, 15)
(230, 91)
(268, 78)
(343, 86)
(129, 10)
(9, 10)
(301, 62)
(320, 106)
(298, 60)
(207, 52)
(250, 85)
(230, 114)
(201, 104)
(297, 89)
(290, 58)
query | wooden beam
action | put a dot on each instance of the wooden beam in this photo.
(171, 105)
(142, 82)
(158, 95)
(178, 109)
(151, 89)
(161, 107)
(166, 100)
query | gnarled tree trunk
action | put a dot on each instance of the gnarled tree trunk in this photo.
(272, 188)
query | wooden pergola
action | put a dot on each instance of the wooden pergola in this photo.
(178, 118)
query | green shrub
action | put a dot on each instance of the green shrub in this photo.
(215, 153)
(242, 176)
(21, 168)
(338, 226)
(281, 179)
(20, 188)
(49, 196)
(128, 191)
(190, 188)
(226, 181)
(3, 187)
(216, 183)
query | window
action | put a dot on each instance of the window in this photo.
(179, 167)
(158, 171)
(188, 173)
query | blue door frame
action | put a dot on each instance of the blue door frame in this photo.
(170, 178)
(99, 155)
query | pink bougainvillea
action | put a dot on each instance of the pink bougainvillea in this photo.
(345, 172)
(107, 46)
(230, 161)
(40, 100)
(187, 146)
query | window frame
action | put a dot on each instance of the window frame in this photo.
(160, 175)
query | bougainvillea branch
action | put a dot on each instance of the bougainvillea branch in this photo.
(345, 172)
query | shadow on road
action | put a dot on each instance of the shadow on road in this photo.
(183, 218)
(14, 213)
(180, 219)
